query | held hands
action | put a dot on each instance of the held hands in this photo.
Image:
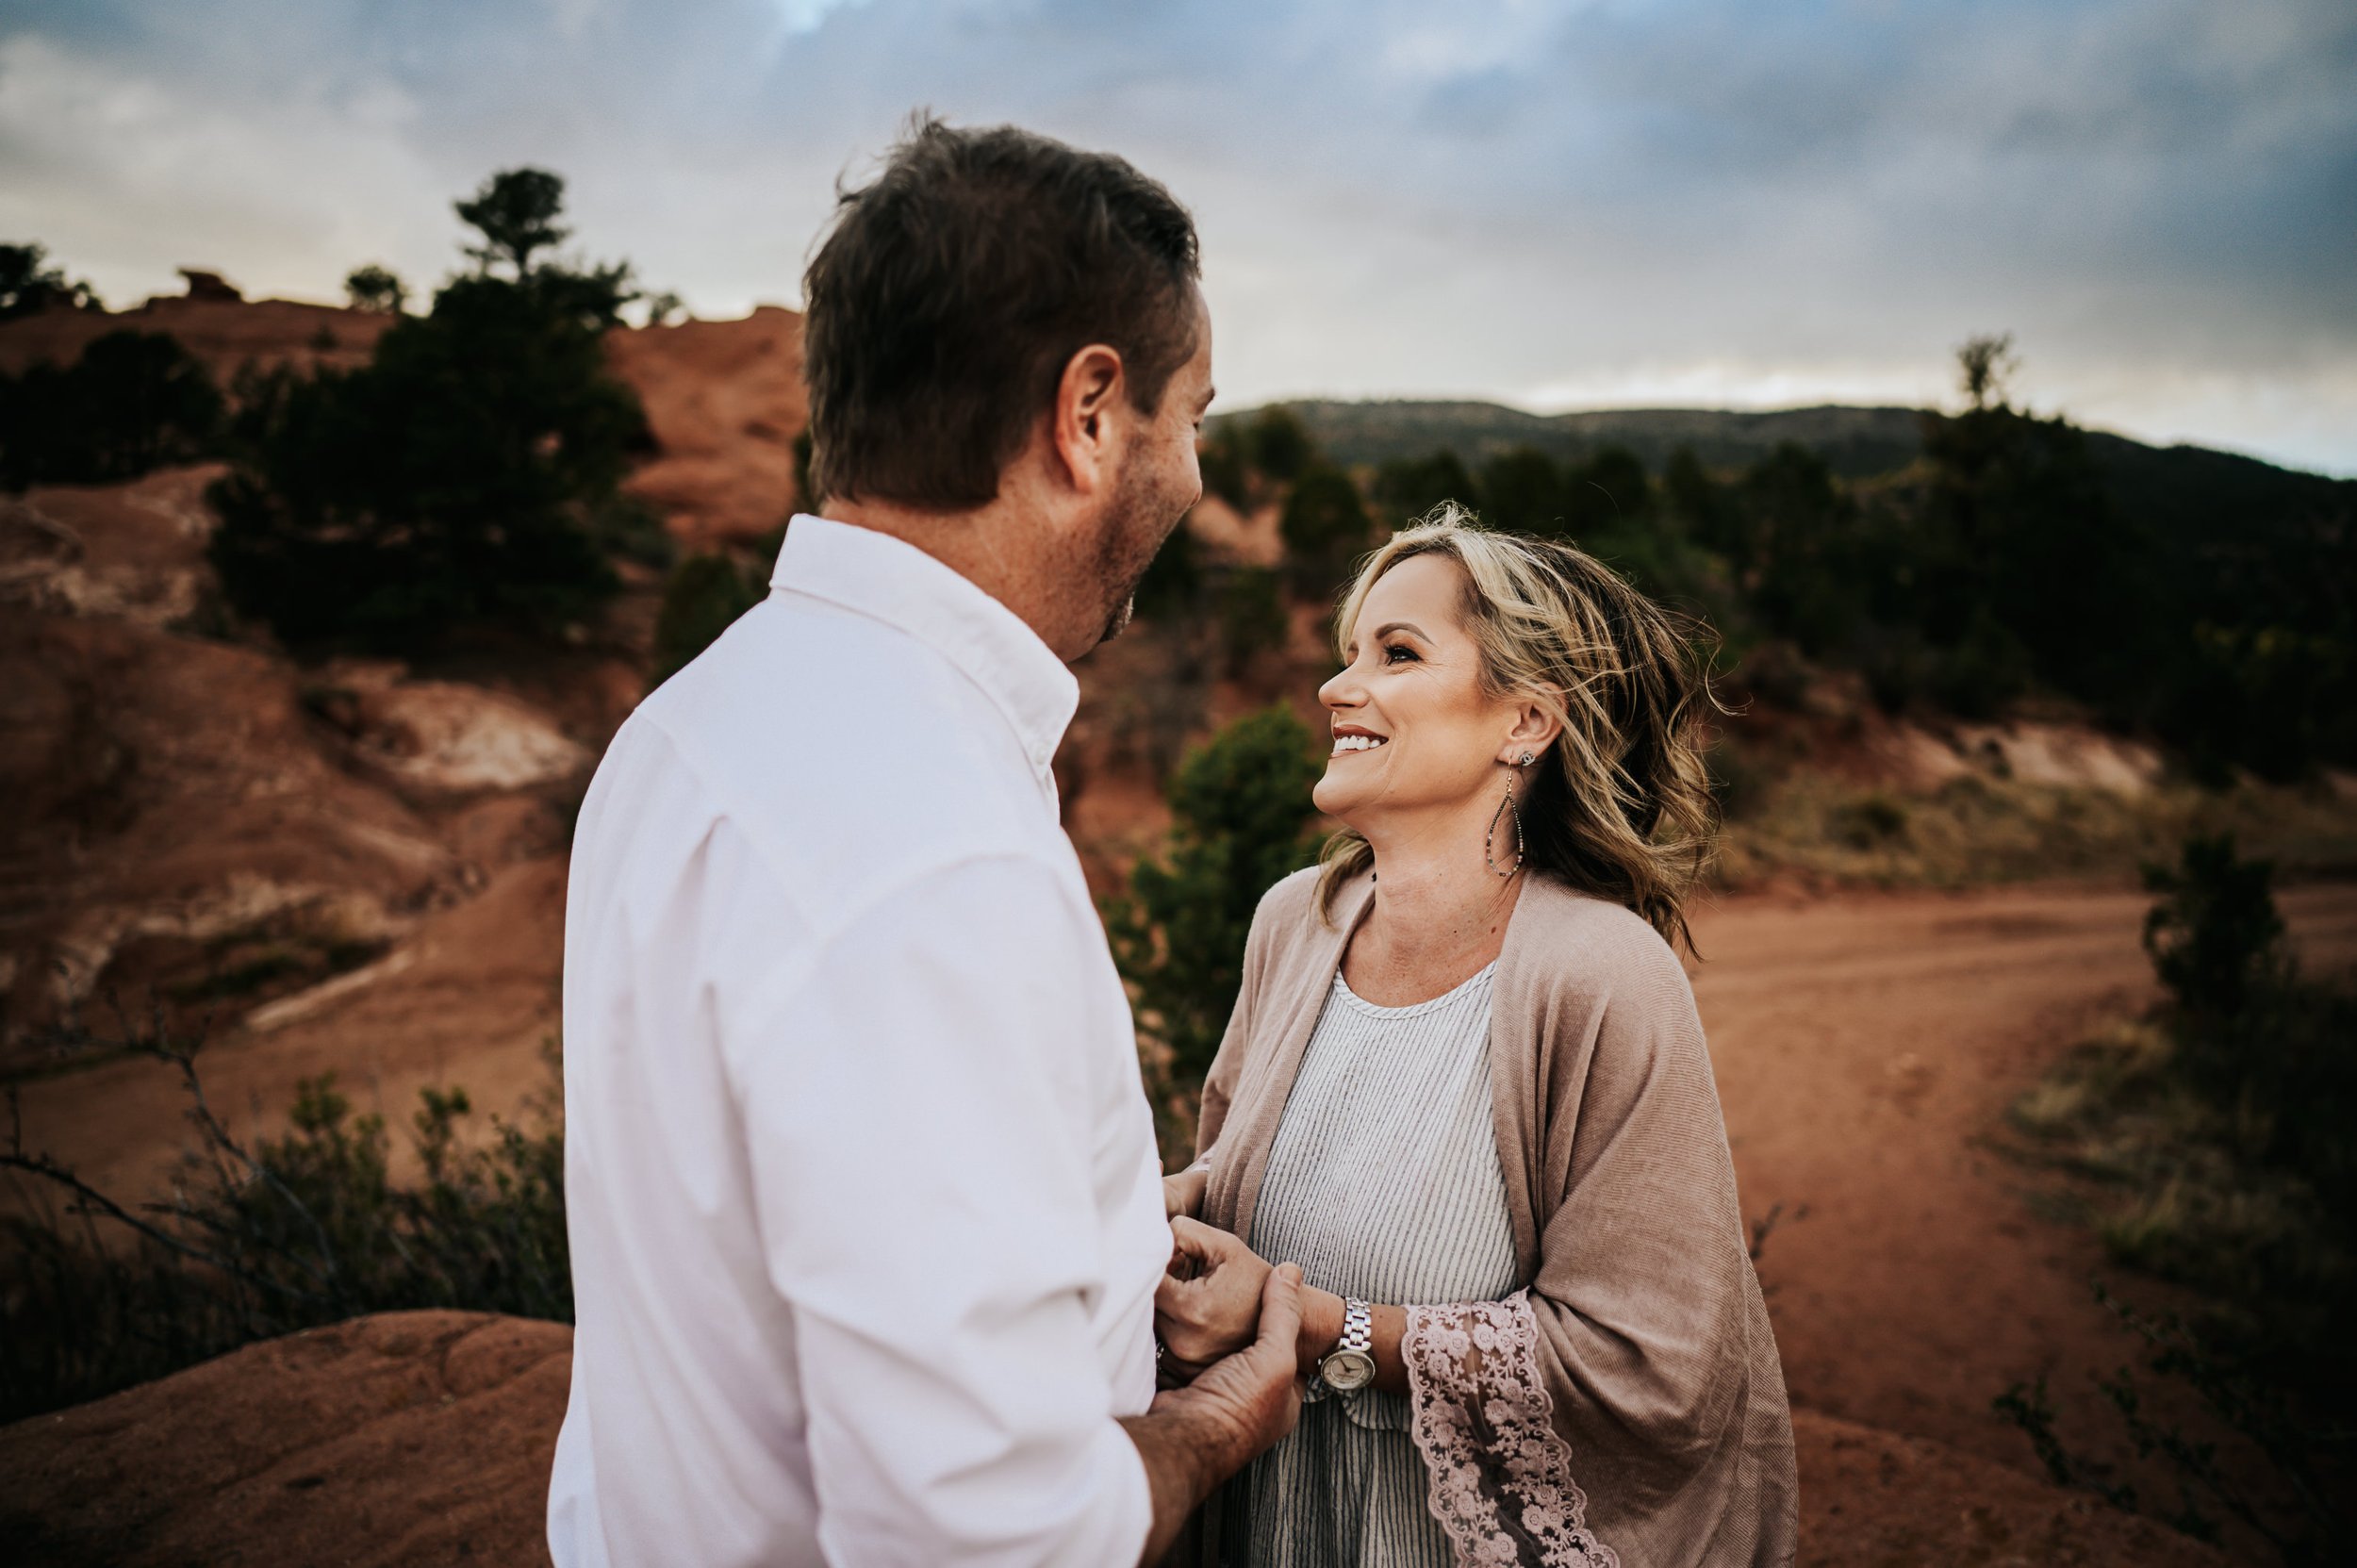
(1248, 1400)
(1212, 1301)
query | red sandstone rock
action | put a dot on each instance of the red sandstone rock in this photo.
(210, 285)
(415, 1439)
(425, 1438)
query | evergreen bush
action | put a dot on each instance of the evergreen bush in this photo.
(702, 599)
(1325, 526)
(133, 402)
(1241, 814)
(470, 474)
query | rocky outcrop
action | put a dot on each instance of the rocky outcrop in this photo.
(409, 1439)
(172, 800)
(210, 285)
(204, 822)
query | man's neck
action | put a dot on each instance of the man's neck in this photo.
(1001, 554)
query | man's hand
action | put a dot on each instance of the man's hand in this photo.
(1182, 1194)
(1209, 1303)
(1196, 1437)
(1255, 1393)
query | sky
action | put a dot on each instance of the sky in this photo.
(1547, 203)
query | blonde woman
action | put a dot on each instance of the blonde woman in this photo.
(1466, 1089)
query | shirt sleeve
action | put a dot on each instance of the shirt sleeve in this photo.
(918, 1109)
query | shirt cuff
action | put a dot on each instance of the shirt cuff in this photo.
(1134, 1510)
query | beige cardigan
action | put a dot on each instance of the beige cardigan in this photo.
(1627, 1407)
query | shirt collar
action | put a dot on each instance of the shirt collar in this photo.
(892, 580)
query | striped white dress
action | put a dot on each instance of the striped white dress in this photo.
(1382, 1183)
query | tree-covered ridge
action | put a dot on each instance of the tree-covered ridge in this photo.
(2197, 597)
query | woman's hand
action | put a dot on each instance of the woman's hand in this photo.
(1182, 1194)
(1209, 1304)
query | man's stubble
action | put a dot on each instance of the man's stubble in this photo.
(1139, 522)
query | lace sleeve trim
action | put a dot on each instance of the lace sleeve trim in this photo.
(1502, 1484)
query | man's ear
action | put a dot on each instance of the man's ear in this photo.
(1081, 426)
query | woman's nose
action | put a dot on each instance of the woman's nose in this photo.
(1340, 689)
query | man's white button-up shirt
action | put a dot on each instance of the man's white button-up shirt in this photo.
(861, 1181)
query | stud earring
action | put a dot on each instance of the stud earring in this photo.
(1526, 760)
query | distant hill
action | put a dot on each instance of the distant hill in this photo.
(1856, 441)
(2186, 491)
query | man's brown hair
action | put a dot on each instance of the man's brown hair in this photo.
(952, 292)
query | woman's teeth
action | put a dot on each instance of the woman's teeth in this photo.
(1356, 743)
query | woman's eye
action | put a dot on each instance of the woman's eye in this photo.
(1394, 652)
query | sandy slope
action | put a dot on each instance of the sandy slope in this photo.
(725, 401)
(468, 999)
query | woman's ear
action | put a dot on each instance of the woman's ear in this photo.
(1535, 729)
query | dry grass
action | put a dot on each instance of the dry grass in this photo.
(1976, 830)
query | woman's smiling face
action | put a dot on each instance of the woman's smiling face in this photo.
(1413, 729)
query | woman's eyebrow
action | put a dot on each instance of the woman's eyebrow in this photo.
(1407, 626)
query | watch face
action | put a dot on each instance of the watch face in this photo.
(1346, 1370)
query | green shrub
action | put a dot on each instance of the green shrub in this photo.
(375, 290)
(2217, 1140)
(1325, 526)
(1279, 444)
(702, 599)
(1252, 617)
(251, 1243)
(1870, 820)
(28, 287)
(1226, 471)
(1610, 492)
(132, 403)
(2214, 934)
(1411, 488)
(1525, 490)
(1242, 812)
(1173, 584)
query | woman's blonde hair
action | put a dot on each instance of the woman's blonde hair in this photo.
(1620, 805)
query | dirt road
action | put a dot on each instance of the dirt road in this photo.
(1864, 1046)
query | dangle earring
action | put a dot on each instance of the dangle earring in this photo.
(1505, 808)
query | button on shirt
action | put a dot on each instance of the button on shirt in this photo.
(860, 1182)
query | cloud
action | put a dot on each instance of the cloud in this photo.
(1571, 201)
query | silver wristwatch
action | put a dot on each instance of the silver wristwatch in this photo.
(1351, 1364)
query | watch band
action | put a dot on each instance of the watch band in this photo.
(1350, 1366)
(1358, 1326)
